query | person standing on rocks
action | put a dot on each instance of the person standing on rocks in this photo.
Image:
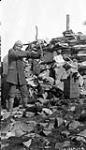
(16, 76)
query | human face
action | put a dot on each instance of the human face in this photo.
(18, 47)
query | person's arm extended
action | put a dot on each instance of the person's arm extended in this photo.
(34, 55)
(18, 54)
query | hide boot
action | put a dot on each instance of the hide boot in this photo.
(10, 105)
(25, 101)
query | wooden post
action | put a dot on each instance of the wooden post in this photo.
(67, 22)
(36, 37)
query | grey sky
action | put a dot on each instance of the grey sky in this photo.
(19, 18)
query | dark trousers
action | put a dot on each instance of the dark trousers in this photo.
(12, 93)
(23, 89)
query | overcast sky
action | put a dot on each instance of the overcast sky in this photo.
(19, 18)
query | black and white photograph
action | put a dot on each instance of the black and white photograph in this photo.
(43, 74)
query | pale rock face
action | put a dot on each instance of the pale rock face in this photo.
(59, 60)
